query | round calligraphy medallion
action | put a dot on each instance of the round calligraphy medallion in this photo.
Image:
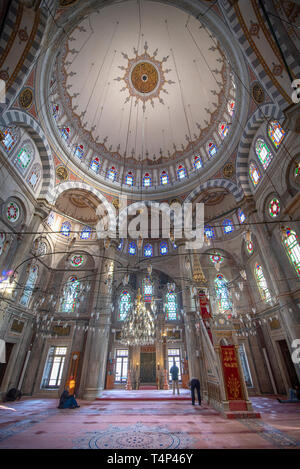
(144, 77)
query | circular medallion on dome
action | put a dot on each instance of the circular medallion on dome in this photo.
(144, 77)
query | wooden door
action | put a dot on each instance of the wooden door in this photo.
(148, 368)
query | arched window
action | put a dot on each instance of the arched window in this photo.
(231, 107)
(85, 232)
(197, 162)
(51, 219)
(212, 149)
(129, 179)
(30, 284)
(132, 249)
(223, 129)
(274, 207)
(262, 283)
(263, 152)
(112, 174)
(164, 178)
(124, 306)
(292, 247)
(70, 295)
(2, 241)
(181, 172)
(254, 174)
(95, 164)
(209, 231)
(163, 248)
(228, 226)
(65, 228)
(250, 247)
(171, 307)
(148, 250)
(9, 140)
(34, 176)
(65, 133)
(121, 244)
(23, 158)
(79, 152)
(147, 180)
(55, 111)
(147, 289)
(241, 216)
(276, 133)
(222, 294)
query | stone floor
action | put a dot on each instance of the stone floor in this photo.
(149, 424)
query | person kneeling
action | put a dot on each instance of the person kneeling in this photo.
(67, 401)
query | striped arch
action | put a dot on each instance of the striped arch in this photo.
(263, 114)
(35, 131)
(230, 186)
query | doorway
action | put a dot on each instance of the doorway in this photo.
(289, 365)
(148, 367)
(3, 366)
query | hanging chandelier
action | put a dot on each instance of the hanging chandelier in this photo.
(139, 325)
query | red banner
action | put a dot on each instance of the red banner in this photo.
(233, 383)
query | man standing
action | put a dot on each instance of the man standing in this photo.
(174, 373)
(195, 385)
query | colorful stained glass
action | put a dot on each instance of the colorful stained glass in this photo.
(212, 149)
(181, 172)
(292, 246)
(77, 260)
(33, 178)
(112, 174)
(147, 289)
(263, 152)
(23, 158)
(241, 216)
(86, 232)
(163, 248)
(250, 247)
(228, 226)
(148, 250)
(50, 219)
(129, 179)
(197, 162)
(164, 178)
(125, 305)
(55, 111)
(209, 231)
(121, 244)
(223, 129)
(132, 249)
(262, 284)
(79, 152)
(2, 241)
(12, 212)
(222, 294)
(65, 228)
(147, 180)
(216, 258)
(276, 133)
(65, 133)
(274, 207)
(254, 174)
(8, 140)
(30, 284)
(231, 107)
(95, 164)
(71, 293)
(171, 307)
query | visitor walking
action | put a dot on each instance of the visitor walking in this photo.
(195, 386)
(174, 373)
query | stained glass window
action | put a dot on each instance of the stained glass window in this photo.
(30, 284)
(171, 307)
(77, 260)
(95, 164)
(212, 149)
(228, 226)
(86, 232)
(216, 258)
(129, 179)
(12, 212)
(164, 178)
(147, 180)
(197, 162)
(112, 174)
(274, 207)
(23, 158)
(50, 219)
(241, 215)
(132, 249)
(9, 140)
(55, 111)
(263, 152)
(254, 174)
(79, 152)
(292, 246)
(125, 305)
(276, 133)
(223, 129)
(147, 289)
(222, 294)
(71, 293)
(65, 228)
(250, 247)
(163, 247)
(2, 241)
(262, 283)
(181, 172)
(209, 231)
(148, 250)
(121, 243)
(231, 107)
(65, 133)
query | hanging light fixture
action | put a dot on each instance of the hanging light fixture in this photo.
(139, 325)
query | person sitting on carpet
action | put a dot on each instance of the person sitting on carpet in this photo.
(12, 395)
(294, 396)
(67, 401)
